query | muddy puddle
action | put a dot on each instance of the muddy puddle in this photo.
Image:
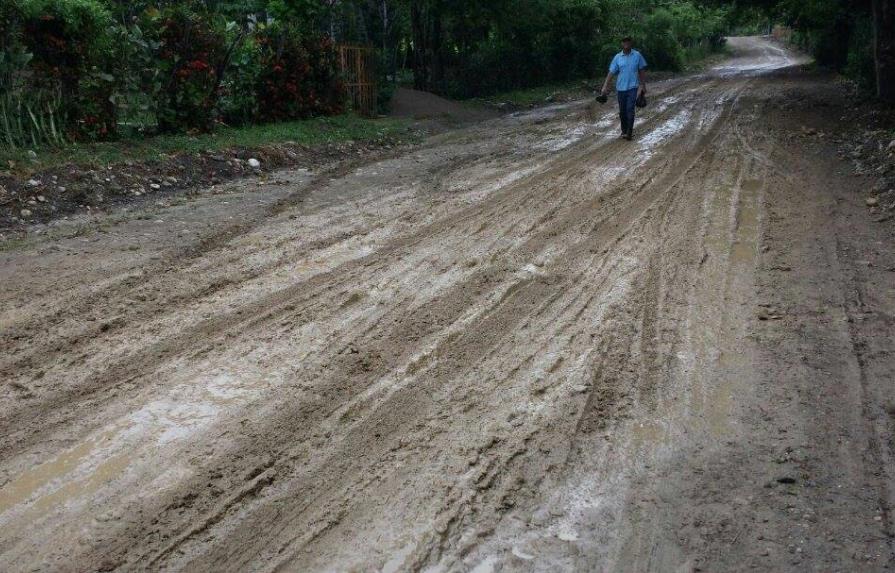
(129, 445)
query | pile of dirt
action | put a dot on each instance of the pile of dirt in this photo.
(55, 192)
(426, 106)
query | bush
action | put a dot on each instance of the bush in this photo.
(660, 43)
(861, 67)
(298, 77)
(68, 42)
(238, 103)
(326, 90)
(137, 79)
(190, 53)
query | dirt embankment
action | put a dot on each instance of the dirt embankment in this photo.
(46, 195)
(525, 345)
(40, 196)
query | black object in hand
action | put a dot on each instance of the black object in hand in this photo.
(602, 98)
(641, 100)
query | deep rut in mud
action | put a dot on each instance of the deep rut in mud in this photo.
(523, 345)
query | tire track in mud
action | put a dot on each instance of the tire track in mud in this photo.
(392, 408)
(642, 338)
(177, 343)
(221, 238)
(129, 367)
(556, 254)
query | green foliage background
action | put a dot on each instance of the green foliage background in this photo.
(99, 69)
(839, 33)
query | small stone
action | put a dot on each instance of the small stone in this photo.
(33, 182)
(41, 198)
(522, 554)
(25, 212)
(254, 163)
(539, 518)
(872, 201)
(61, 189)
(155, 186)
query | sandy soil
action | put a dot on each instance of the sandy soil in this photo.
(524, 345)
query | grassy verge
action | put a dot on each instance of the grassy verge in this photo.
(308, 132)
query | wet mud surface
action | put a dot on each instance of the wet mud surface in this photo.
(524, 345)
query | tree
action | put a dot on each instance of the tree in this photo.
(884, 48)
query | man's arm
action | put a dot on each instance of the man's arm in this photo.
(613, 70)
(641, 75)
(606, 83)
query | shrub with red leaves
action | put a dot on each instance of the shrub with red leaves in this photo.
(69, 41)
(190, 56)
(298, 76)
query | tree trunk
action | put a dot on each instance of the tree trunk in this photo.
(884, 48)
(428, 65)
(436, 79)
(840, 41)
(418, 27)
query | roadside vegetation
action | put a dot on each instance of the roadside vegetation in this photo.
(86, 70)
(308, 133)
(159, 75)
(853, 37)
(74, 71)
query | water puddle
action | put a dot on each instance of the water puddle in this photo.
(665, 130)
(75, 475)
(565, 140)
(488, 565)
(22, 488)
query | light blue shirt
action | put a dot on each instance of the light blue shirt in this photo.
(627, 68)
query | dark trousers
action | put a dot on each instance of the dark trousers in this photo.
(626, 109)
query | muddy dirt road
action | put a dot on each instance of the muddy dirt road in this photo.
(525, 345)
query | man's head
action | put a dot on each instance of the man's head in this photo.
(627, 43)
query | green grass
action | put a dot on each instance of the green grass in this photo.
(15, 243)
(310, 132)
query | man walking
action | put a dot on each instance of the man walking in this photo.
(629, 66)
